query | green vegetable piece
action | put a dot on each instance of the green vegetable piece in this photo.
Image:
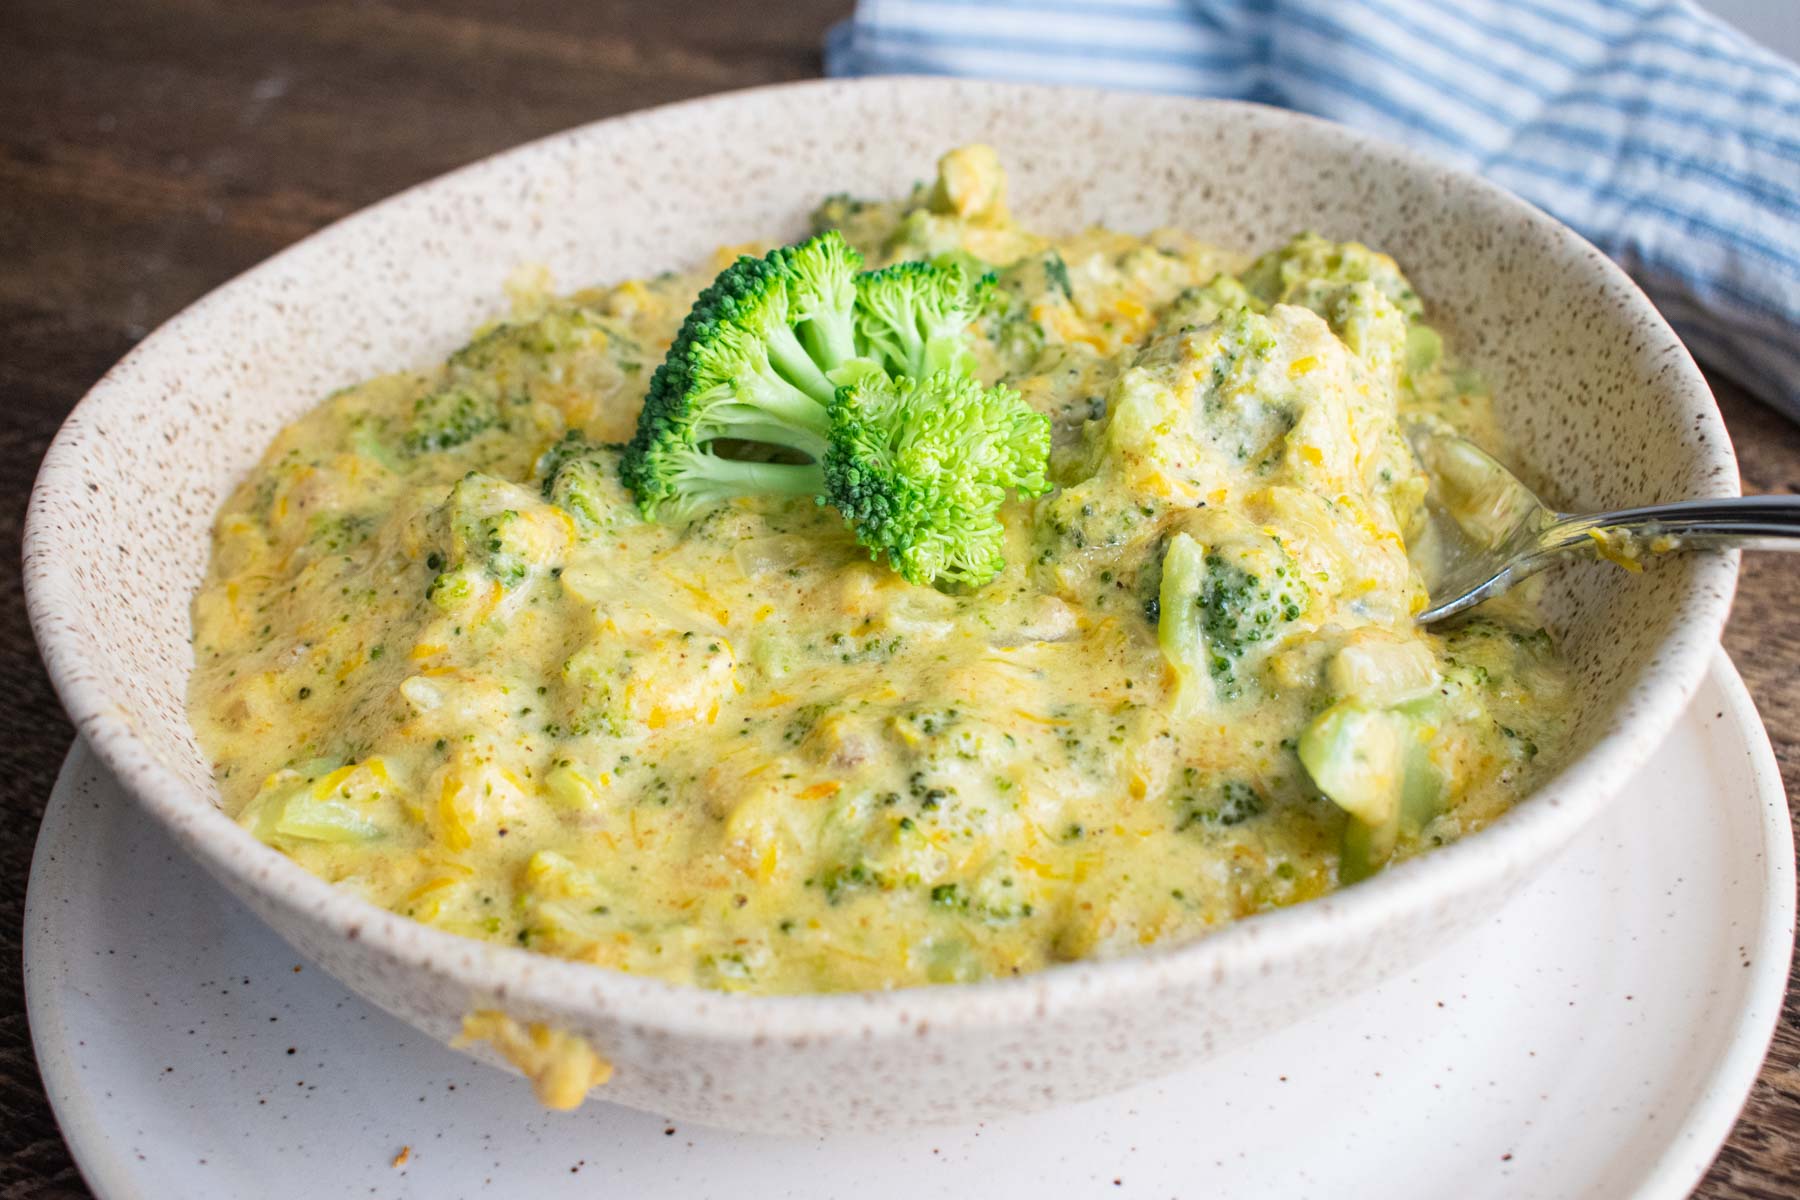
(449, 417)
(487, 538)
(1356, 756)
(1313, 271)
(920, 469)
(296, 812)
(794, 351)
(913, 317)
(1375, 764)
(1178, 620)
(1423, 349)
(754, 361)
(1215, 606)
(580, 477)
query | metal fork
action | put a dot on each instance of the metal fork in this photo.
(1530, 535)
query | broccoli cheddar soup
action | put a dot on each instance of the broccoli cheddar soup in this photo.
(931, 600)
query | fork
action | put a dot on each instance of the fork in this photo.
(1523, 535)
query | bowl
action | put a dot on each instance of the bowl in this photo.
(1604, 406)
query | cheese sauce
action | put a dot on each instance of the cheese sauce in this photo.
(739, 754)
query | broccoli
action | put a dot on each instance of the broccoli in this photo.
(912, 317)
(1376, 765)
(1231, 802)
(793, 352)
(511, 354)
(1216, 605)
(920, 468)
(451, 415)
(580, 477)
(754, 361)
(497, 372)
(1361, 294)
(1312, 271)
(493, 538)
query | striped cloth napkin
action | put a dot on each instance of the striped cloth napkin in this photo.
(1665, 137)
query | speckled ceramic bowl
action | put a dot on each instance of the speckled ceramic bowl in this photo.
(1602, 400)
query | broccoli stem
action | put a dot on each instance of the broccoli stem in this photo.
(769, 409)
(711, 478)
(830, 340)
(797, 366)
(752, 428)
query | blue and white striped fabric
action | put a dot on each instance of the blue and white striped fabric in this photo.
(1665, 137)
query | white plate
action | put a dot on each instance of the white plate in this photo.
(1596, 1039)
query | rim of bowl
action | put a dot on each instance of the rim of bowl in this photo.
(1536, 827)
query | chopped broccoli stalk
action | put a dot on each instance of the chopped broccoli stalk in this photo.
(572, 789)
(1375, 764)
(304, 817)
(913, 317)
(758, 359)
(921, 467)
(296, 807)
(1424, 349)
(1178, 618)
(1216, 605)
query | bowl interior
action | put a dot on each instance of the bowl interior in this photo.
(1604, 405)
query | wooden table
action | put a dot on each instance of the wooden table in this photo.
(151, 149)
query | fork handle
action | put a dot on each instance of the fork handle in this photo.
(1772, 522)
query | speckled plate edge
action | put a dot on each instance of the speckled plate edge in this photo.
(1691, 1146)
(1708, 1124)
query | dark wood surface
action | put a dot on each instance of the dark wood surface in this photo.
(151, 149)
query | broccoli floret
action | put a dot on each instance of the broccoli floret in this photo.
(1239, 609)
(1226, 802)
(451, 415)
(792, 352)
(512, 353)
(754, 361)
(836, 209)
(1195, 307)
(914, 316)
(488, 540)
(1216, 605)
(1019, 293)
(921, 467)
(1361, 294)
(581, 478)
(1313, 271)
(497, 371)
